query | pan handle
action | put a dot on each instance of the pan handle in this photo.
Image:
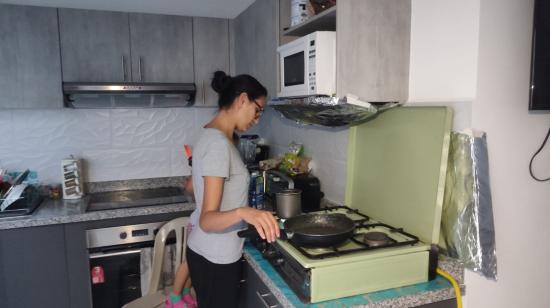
(250, 232)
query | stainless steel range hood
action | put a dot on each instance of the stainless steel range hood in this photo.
(128, 95)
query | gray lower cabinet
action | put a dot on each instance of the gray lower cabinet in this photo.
(29, 58)
(256, 36)
(254, 293)
(162, 48)
(95, 46)
(372, 49)
(211, 53)
(33, 271)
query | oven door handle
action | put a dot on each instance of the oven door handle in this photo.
(99, 255)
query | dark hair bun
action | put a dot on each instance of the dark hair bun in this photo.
(220, 81)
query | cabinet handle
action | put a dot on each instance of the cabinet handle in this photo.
(99, 255)
(123, 69)
(262, 299)
(139, 70)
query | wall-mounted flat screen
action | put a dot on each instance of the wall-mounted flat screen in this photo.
(539, 94)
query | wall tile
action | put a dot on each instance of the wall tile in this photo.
(331, 142)
(137, 127)
(6, 129)
(178, 162)
(116, 144)
(46, 164)
(332, 175)
(39, 130)
(277, 130)
(177, 127)
(87, 129)
(327, 147)
(120, 164)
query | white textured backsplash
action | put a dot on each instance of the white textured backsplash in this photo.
(115, 144)
(327, 147)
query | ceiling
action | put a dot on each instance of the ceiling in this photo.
(205, 8)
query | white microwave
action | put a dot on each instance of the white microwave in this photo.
(308, 65)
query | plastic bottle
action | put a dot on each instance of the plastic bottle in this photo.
(252, 200)
(259, 189)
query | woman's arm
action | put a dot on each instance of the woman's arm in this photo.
(212, 219)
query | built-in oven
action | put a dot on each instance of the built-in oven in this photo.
(115, 262)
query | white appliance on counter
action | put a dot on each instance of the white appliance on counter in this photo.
(72, 178)
(308, 65)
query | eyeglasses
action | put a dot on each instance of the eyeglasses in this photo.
(259, 109)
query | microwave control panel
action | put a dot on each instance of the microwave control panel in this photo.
(311, 66)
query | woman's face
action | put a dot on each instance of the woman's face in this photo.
(250, 112)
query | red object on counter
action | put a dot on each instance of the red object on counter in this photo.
(187, 151)
(98, 275)
(189, 155)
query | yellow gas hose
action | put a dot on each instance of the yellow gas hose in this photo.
(455, 286)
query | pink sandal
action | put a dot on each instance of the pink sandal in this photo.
(179, 304)
(190, 301)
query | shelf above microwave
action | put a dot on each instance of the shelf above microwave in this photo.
(324, 21)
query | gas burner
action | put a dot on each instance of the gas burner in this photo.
(318, 250)
(375, 239)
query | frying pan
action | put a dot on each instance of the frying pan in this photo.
(313, 230)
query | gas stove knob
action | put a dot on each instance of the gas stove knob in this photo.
(123, 235)
(261, 246)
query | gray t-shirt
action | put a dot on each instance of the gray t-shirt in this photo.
(215, 155)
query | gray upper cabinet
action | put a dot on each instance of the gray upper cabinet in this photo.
(162, 48)
(95, 45)
(211, 53)
(256, 39)
(373, 49)
(101, 46)
(29, 58)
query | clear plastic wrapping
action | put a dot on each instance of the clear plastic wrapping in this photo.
(329, 111)
(467, 226)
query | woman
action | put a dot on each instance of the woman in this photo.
(220, 181)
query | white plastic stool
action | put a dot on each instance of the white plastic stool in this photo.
(155, 297)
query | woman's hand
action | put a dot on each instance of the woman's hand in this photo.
(263, 221)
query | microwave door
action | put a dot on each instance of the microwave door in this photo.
(294, 70)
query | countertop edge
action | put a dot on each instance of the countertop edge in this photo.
(53, 218)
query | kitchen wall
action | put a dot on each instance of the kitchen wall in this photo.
(327, 147)
(521, 205)
(116, 144)
(473, 55)
(442, 72)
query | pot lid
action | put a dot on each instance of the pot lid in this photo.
(396, 168)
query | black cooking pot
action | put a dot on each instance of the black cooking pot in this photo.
(313, 230)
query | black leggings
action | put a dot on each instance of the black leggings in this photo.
(216, 285)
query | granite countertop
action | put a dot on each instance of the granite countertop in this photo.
(68, 211)
(436, 290)
(64, 211)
